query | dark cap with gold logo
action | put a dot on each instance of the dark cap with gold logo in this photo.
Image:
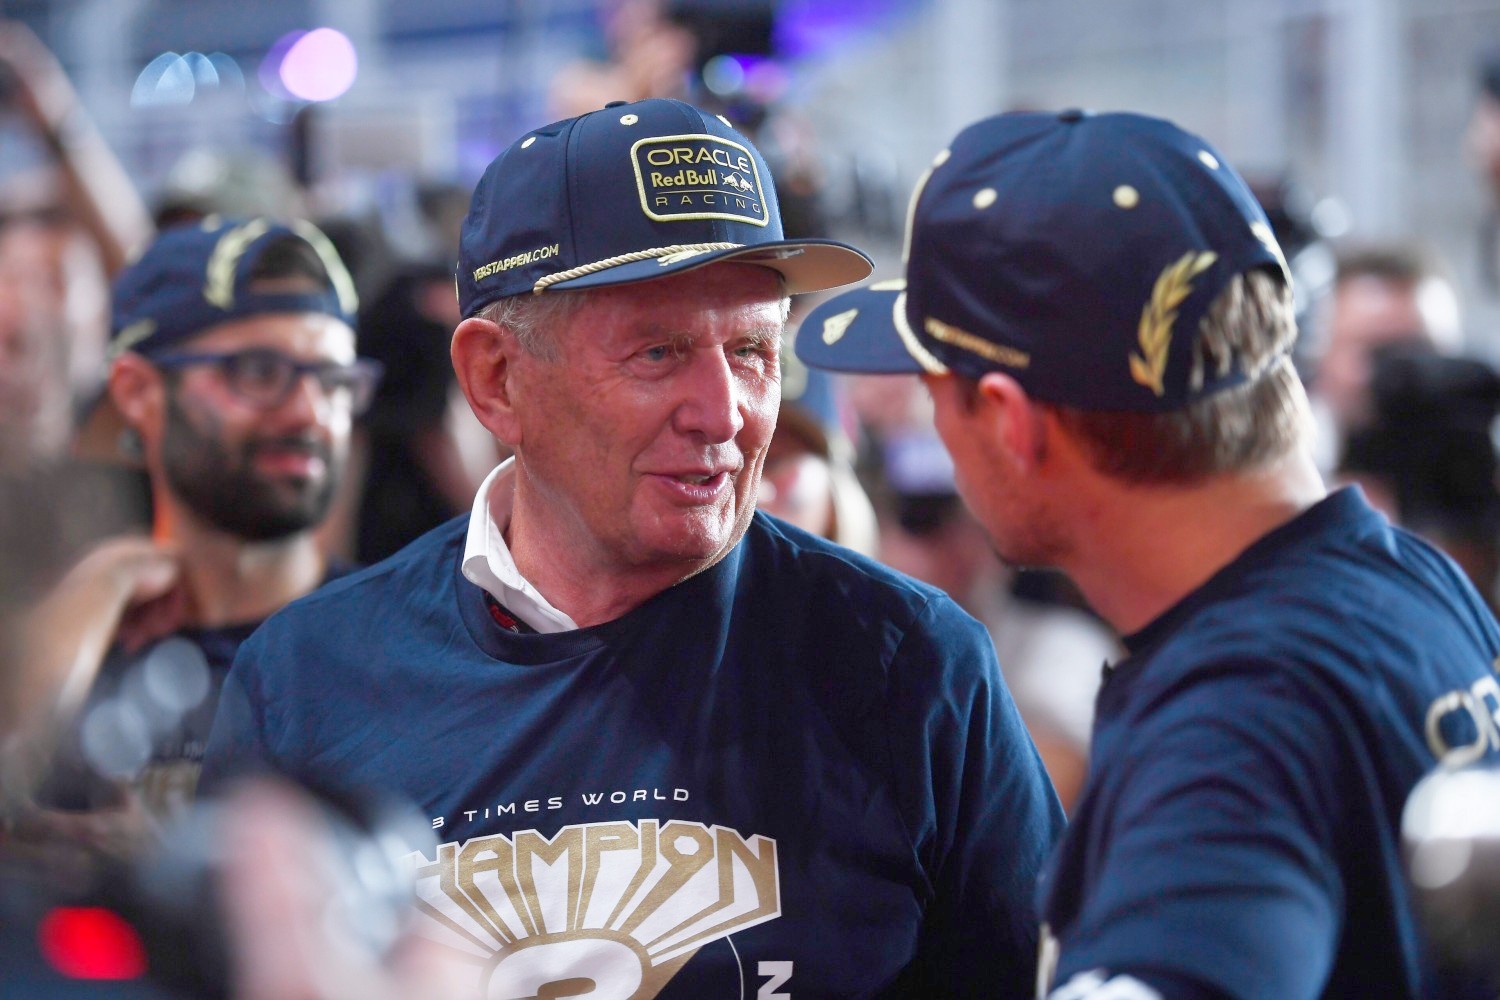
(198, 275)
(630, 193)
(1076, 252)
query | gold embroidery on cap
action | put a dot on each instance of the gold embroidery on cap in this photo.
(698, 176)
(1126, 196)
(989, 350)
(218, 286)
(834, 327)
(680, 256)
(1265, 235)
(130, 336)
(547, 281)
(338, 274)
(1155, 330)
(923, 356)
(517, 260)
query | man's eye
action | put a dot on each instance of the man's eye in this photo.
(259, 369)
(661, 352)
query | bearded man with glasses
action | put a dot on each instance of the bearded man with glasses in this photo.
(233, 380)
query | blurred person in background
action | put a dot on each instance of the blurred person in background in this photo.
(1481, 143)
(809, 477)
(69, 219)
(649, 54)
(54, 304)
(235, 902)
(89, 187)
(1382, 295)
(424, 452)
(234, 381)
(1427, 456)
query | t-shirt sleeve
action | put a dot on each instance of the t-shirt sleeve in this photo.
(1215, 848)
(237, 743)
(984, 814)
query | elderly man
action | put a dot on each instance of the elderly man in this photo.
(1101, 315)
(674, 747)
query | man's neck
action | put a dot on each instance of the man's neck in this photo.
(231, 580)
(1141, 550)
(566, 567)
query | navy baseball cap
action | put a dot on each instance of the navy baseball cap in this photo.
(1076, 252)
(630, 193)
(197, 275)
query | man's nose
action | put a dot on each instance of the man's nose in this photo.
(712, 399)
(308, 402)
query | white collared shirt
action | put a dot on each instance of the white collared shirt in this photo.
(487, 560)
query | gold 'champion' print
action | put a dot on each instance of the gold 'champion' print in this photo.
(606, 910)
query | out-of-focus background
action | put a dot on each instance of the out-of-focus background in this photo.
(1363, 104)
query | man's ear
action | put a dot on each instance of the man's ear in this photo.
(136, 389)
(1018, 424)
(483, 359)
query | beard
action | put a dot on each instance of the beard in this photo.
(220, 484)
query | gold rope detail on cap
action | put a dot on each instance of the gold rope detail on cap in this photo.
(990, 351)
(1155, 330)
(922, 355)
(686, 249)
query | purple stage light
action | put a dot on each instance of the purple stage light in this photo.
(320, 66)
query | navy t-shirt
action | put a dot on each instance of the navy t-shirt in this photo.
(1239, 832)
(794, 774)
(148, 717)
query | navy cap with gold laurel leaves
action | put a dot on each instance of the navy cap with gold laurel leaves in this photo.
(197, 275)
(630, 193)
(1076, 252)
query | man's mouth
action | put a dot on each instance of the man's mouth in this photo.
(292, 457)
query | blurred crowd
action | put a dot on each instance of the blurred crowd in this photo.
(136, 553)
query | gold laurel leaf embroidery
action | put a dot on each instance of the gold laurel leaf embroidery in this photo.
(218, 287)
(1154, 334)
(834, 327)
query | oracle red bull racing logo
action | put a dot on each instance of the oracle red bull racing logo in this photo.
(698, 177)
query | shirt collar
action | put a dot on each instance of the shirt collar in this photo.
(487, 561)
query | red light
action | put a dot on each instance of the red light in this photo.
(84, 942)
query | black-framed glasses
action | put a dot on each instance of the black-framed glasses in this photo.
(267, 378)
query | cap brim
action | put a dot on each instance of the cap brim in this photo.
(807, 265)
(865, 330)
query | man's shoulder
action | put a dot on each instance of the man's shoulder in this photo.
(804, 567)
(426, 566)
(858, 611)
